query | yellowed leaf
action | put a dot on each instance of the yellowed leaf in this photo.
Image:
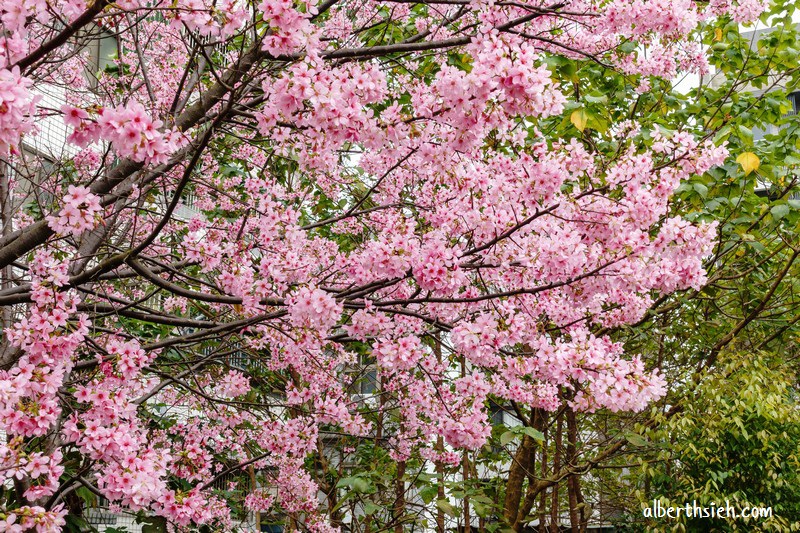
(579, 118)
(749, 162)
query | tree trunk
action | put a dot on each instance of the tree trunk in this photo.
(467, 526)
(516, 478)
(556, 470)
(6, 211)
(538, 421)
(573, 480)
(543, 497)
(440, 492)
(399, 497)
(465, 462)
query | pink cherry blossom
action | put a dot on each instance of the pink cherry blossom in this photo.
(261, 229)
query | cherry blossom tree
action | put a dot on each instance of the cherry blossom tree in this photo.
(416, 186)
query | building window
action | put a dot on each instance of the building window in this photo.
(362, 379)
(496, 412)
(794, 98)
(30, 171)
(103, 48)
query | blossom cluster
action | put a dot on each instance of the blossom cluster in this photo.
(28, 391)
(259, 500)
(422, 212)
(29, 403)
(132, 465)
(17, 109)
(314, 308)
(291, 29)
(80, 212)
(42, 470)
(223, 19)
(435, 267)
(33, 518)
(129, 129)
(233, 384)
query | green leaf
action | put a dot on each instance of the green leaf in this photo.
(533, 433)
(481, 510)
(507, 437)
(77, 524)
(371, 508)
(354, 483)
(636, 439)
(722, 134)
(746, 134)
(600, 99)
(429, 493)
(579, 118)
(779, 211)
(447, 507)
(700, 189)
